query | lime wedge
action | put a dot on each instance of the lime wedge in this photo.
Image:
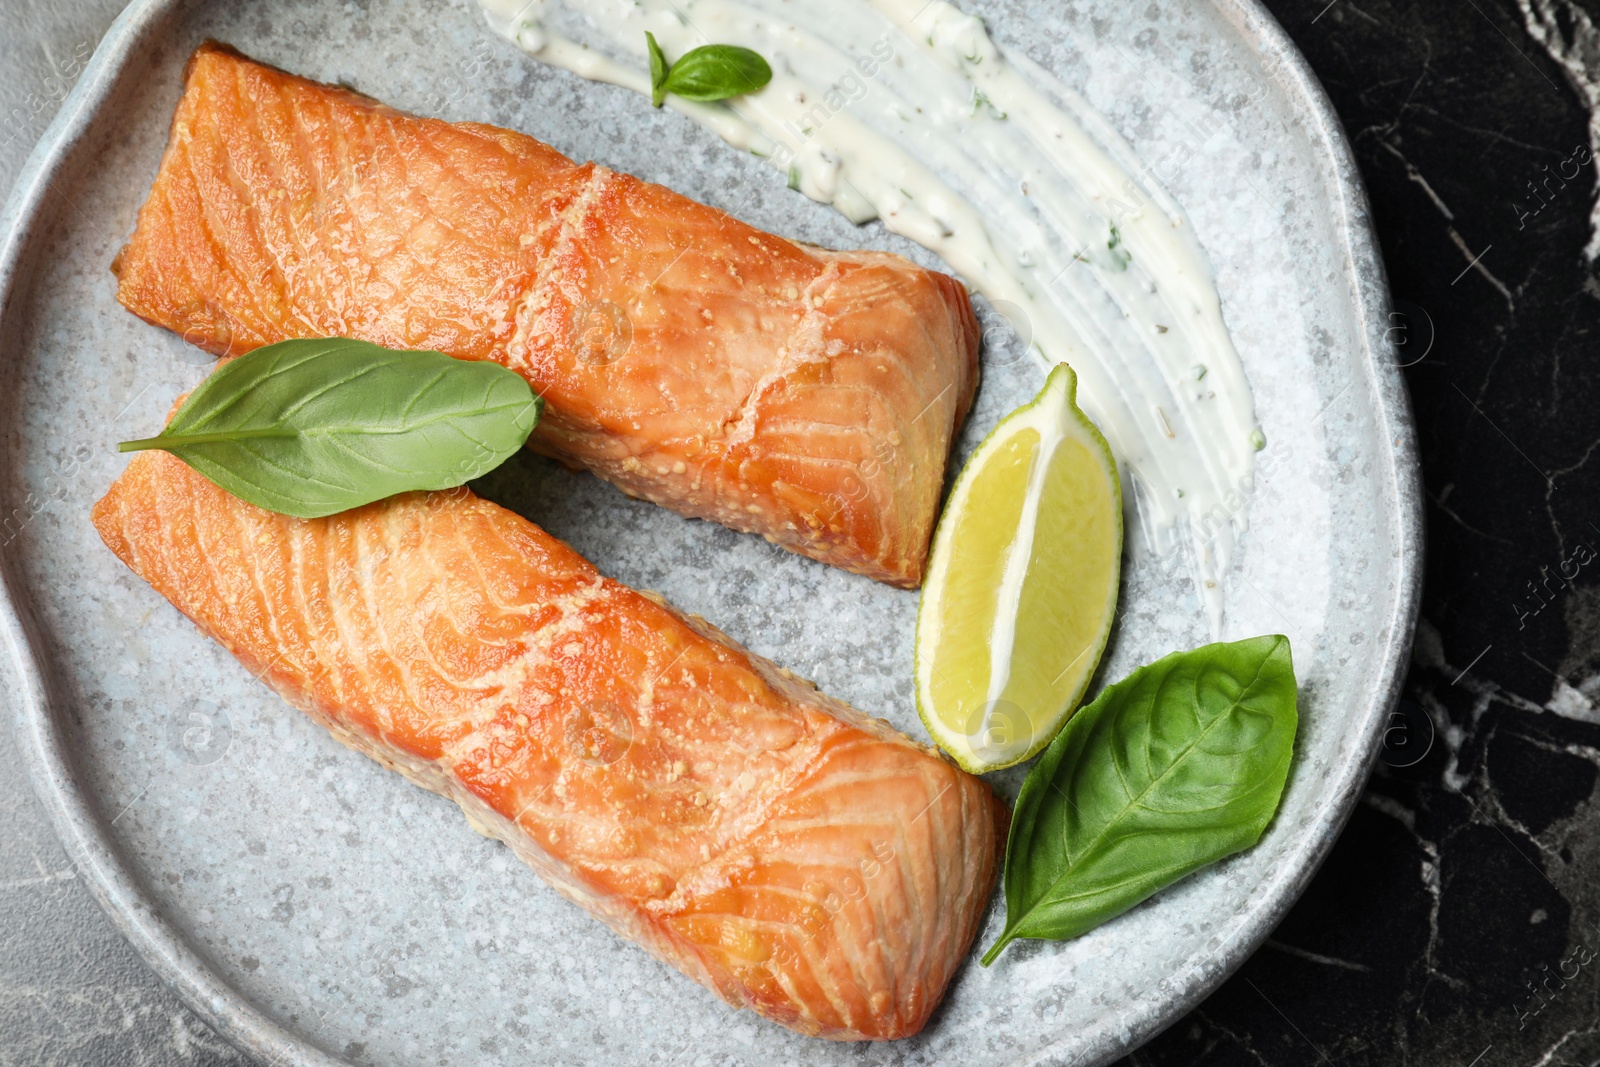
(1022, 583)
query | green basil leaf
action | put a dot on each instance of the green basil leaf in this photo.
(716, 72)
(313, 427)
(658, 69)
(1174, 767)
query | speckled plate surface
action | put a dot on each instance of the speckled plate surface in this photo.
(317, 909)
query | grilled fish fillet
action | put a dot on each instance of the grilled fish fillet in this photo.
(772, 843)
(805, 395)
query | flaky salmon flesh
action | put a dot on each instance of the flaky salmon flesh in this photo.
(793, 855)
(805, 395)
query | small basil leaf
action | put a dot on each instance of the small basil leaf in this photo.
(716, 72)
(313, 427)
(1174, 767)
(658, 69)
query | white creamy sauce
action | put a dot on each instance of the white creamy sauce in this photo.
(906, 111)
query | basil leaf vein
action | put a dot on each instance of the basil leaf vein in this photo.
(710, 72)
(1176, 766)
(312, 427)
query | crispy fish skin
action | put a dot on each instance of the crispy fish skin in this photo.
(772, 843)
(806, 395)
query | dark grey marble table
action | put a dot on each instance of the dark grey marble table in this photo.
(1458, 920)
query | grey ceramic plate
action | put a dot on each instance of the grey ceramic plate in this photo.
(317, 909)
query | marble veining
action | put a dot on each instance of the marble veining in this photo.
(1457, 920)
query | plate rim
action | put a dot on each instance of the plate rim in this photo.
(93, 851)
(1394, 419)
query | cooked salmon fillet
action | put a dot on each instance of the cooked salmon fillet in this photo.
(805, 395)
(793, 855)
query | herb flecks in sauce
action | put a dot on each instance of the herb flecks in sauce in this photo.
(872, 107)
